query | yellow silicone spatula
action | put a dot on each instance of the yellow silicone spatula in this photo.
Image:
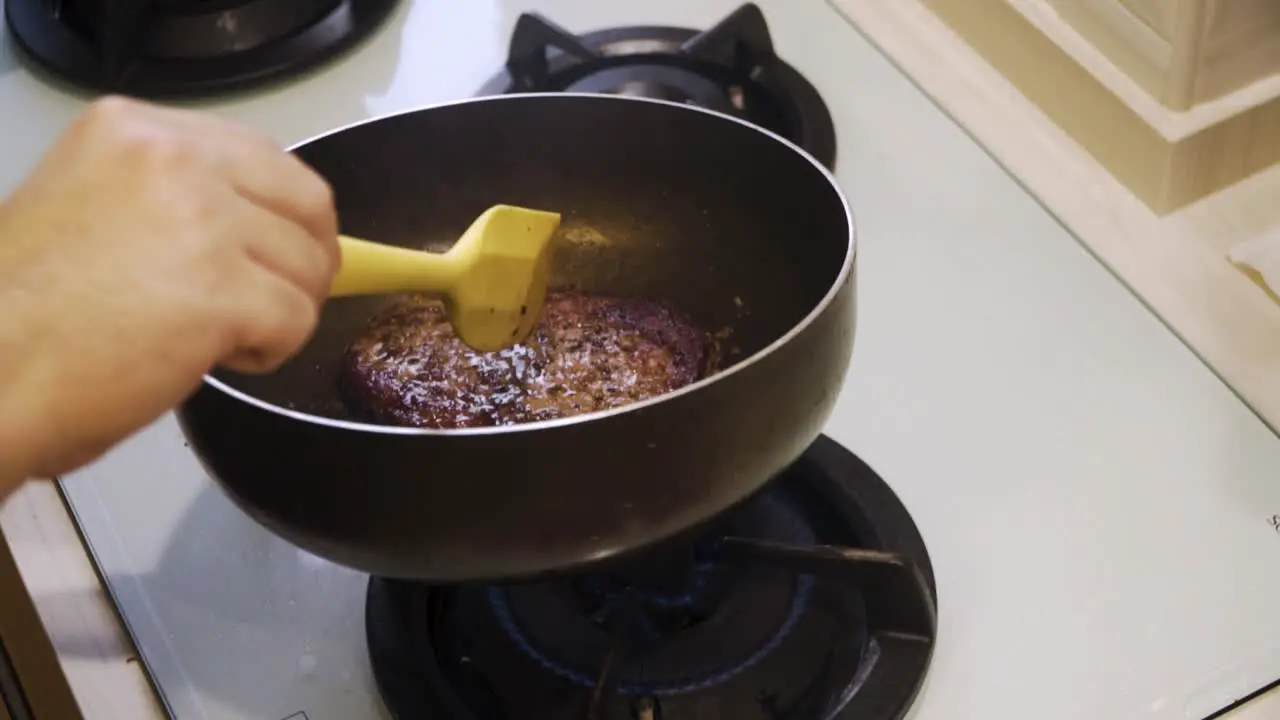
(493, 280)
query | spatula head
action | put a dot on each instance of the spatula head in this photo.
(504, 260)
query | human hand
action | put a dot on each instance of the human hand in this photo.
(148, 246)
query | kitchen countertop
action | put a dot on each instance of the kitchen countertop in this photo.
(92, 646)
(1177, 263)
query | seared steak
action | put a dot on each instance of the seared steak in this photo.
(587, 353)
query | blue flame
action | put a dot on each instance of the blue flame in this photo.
(799, 602)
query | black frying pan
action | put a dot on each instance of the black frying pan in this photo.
(735, 226)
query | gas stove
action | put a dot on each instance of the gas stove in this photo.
(1095, 504)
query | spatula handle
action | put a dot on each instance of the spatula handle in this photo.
(370, 268)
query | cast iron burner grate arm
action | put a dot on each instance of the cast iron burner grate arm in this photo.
(628, 612)
(901, 615)
(532, 39)
(740, 42)
(731, 68)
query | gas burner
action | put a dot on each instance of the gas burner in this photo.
(168, 48)
(731, 68)
(815, 599)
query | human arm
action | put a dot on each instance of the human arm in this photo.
(148, 246)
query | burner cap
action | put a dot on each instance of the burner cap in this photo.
(731, 68)
(170, 48)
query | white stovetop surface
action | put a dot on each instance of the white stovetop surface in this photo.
(1096, 502)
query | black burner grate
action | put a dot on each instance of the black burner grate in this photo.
(812, 601)
(658, 688)
(663, 628)
(731, 68)
(181, 48)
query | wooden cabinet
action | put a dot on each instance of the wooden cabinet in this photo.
(1156, 14)
(1177, 99)
(1182, 52)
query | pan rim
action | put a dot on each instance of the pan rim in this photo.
(208, 380)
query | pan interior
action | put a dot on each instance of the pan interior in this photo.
(738, 229)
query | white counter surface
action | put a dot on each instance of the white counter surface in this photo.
(1096, 502)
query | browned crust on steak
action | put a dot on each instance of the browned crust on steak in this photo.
(587, 353)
